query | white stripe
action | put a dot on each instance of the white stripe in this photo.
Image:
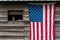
(52, 21)
(48, 21)
(31, 30)
(35, 25)
(44, 35)
(39, 30)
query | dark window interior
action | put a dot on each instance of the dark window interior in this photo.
(16, 16)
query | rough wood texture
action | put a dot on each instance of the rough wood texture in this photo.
(19, 30)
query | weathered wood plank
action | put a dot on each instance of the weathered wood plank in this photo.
(57, 29)
(27, 28)
(58, 34)
(57, 25)
(25, 12)
(57, 8)
(25, 17)
(11, 39)
(27, 33)
(57, 38)
(14, 24)
(3, 16)
(27, 38)
(3, 20)
(12, 34)
(12, 30)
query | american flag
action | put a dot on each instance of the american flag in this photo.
(42, 21)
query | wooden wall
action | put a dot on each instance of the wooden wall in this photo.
(20, 30)
(57, 22)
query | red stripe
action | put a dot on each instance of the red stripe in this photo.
(33, 32)
(54, 21)
(50, 19)
(46, 19)
(30, 30)
(37, 31)
(41, 31)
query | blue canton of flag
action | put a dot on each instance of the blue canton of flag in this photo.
(41, 21)
(36, 13)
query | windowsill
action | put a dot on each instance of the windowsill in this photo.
(14, 22)
(19, 21)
